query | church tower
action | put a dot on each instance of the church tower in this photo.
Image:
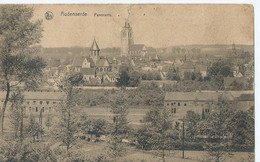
(127, 39)
(94, 50)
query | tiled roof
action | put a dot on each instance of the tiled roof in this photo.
(94, 46)
(197, 96)
(246, 97)
(38, 95)
(137, 47)
(77, 61)
(87, 71)
(187, 65)
(102, 62)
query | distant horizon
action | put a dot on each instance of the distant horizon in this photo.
(157, 47)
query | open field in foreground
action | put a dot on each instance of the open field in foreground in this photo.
(92, 149)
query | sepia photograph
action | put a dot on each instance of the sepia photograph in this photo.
(127, 83)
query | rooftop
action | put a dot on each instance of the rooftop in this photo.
(38, 95)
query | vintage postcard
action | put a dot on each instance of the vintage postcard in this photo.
(127, 82)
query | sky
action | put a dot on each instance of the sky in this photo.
(153, 25)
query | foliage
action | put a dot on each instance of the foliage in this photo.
(218, 71)
(25, 151)
(151, 76)
(17, 114)
(33, 129)
(99, 127)
(135, 78)
(173, 75)
(191, 123)
(123, 80)
(49, 121)
(158, 131)
(18, 64)
(69, 113)
(118, 129)
(242, 129)
(216, 128)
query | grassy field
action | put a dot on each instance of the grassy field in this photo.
(134, 117)
(92, 149)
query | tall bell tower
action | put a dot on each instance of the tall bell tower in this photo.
(127, 38)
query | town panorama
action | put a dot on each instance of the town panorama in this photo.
(117, 97)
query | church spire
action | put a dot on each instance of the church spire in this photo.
(94, 49)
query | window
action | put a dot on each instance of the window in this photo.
(174, 110)
(28, 102)
(185, 104)
(34, 102)
(172, 104)
(171, 110)
(49, 109)
(42, 109)
(36, 109)
(40, 102)
(54, 103)
(167, 104)
(47, 102)
(179, 104)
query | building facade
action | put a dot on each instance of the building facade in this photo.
(179, 103)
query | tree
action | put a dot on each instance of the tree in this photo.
(187, 75)
(33, 129)
(159, 130)
(191, 121)
(95, 127)
(17, 114)
(119, 128)
(100, 127)
(134, 79)
(48, 122)
(17, 61)
(173, 75)
(123, 80)
(69, 111)
(216, 126)
(242, 129)
(218, 71)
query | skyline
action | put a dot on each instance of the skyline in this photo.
(153, 25)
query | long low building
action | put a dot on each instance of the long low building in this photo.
(38, 104)
(36, 101)
(201, 102)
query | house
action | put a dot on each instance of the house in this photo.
(88, 73)
(81, 62)
(204, 102)
(103, 65)
(235, 82)
(38, 104)
(179, 103)
(202, 69)
(138, 49)
(187, 67)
